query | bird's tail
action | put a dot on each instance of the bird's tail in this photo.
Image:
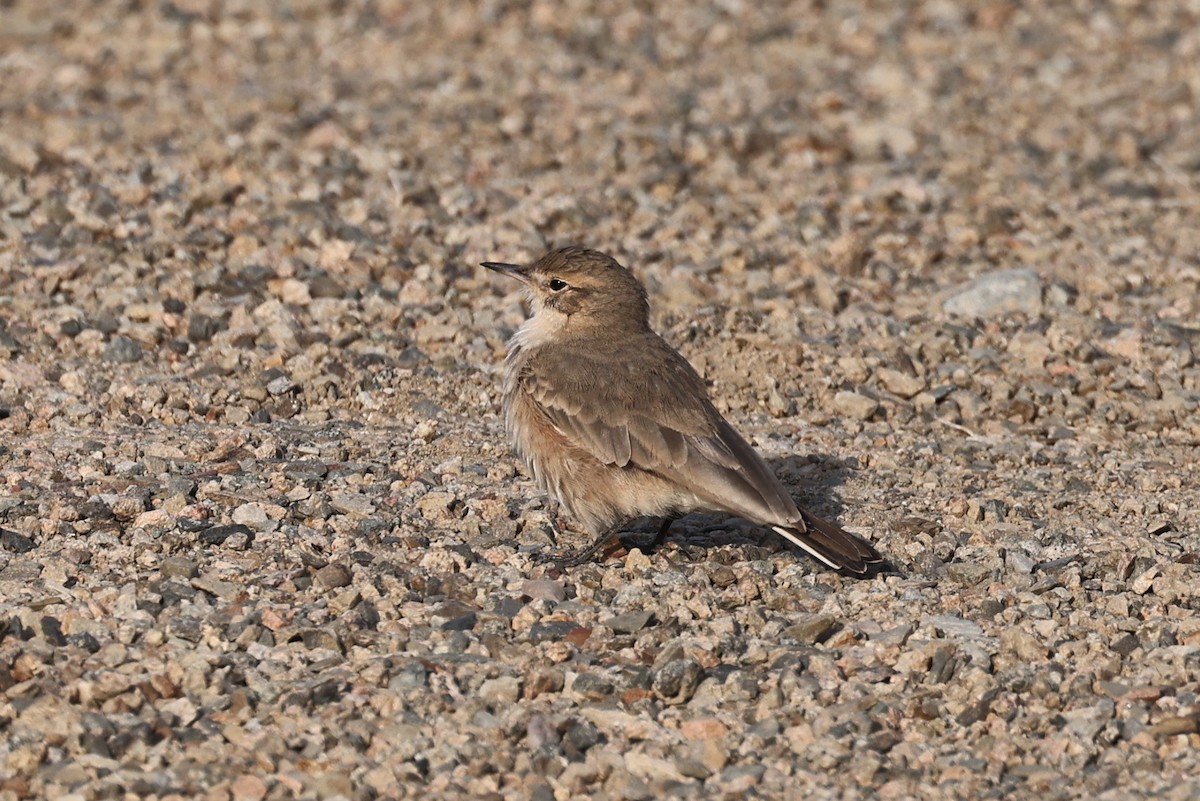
(831, 545)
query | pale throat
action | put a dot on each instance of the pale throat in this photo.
(541, 328)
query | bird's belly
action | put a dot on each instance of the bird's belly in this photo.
(600, 496)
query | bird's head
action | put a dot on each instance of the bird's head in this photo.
(586, 286)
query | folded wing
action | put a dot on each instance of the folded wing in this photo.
(657, 419)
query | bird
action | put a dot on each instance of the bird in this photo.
(615, 424)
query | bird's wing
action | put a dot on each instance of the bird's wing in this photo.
(650, 410)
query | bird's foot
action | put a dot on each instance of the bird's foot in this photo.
(601, 547)
(606, 545)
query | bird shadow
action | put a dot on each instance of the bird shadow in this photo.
(812, 480)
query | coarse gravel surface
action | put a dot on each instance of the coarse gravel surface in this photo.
(261, 535)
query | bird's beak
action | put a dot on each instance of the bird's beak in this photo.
(517, 271)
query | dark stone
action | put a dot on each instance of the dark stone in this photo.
(551, 630)
(1125, 645)
(186, 627)
(85, 640)
(216, 535)
(17, 543)
(578, 736)
(305, 469)
(201, 327)
(461, 623)
(123, 350)
(52, 631)
(592, 686)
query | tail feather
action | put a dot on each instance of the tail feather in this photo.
(831, 545)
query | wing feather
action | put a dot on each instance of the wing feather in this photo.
(656, 416)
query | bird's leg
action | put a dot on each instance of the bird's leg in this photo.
(661, 536)
(584, 555)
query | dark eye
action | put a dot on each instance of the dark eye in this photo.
(557, 284)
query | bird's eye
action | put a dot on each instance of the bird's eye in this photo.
(557, 284)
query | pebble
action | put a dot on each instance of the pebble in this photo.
(809, 629)
(334, 576)
(350, 503)
(501, 690)
(854, 406)
(252, 515)
(14, 542)
(227, 535)
(122, 350)
(898, 383)
(179, 567)
(997, 293)
(247, 788)
(676, 681)
(629, 622)
(544, 589)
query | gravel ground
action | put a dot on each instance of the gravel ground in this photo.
(260, 532)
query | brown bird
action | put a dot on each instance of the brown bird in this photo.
(615, 424)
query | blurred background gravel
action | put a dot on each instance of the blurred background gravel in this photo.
(260, 533)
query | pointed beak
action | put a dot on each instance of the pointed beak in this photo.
(517, 271)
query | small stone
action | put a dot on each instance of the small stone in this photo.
(128, 507)
(250, 514)
(178, 567)
(280, 385)
(122, 350)
(1027, 647)
(248, 788)
(703, 729)
(629, 622)
(592, 686)
(543, 680)
(436, 505)
(351, 503)
(652, 768)
(334, 576)
(1088, 721)
(997, 293)
(153, 519)
(739, 779)
(899, 383)
(236, 536)
(854, 406)
(676, 682)
(895, 636)
(225, 590)
(579, 735)
(464, 622)
(712, 754)
(201, 327)
(294, 292)
(500, 691)
(637, 561)
(17, 543)
(1125, 645)
(811, 629)
(1142, 584)
(544, 589)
